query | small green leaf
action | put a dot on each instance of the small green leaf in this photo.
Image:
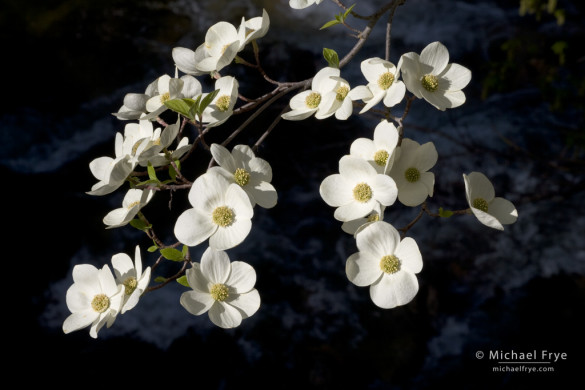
(445, 213)
(152, 249)
(160, 279)
(172, 254)
(330, 23)
(151, 172)
(185, 251)
(346, 14)
(195, 107)
(331, 57)
(183, 281)
(139, 224)
(206, 101)
(179, 105)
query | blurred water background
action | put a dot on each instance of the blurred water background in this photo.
(68, 65)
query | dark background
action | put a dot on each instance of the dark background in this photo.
(68, 65)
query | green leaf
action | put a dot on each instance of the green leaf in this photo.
(172, 254)
(139, 224)
(195, 107)
(185, 251)
(346, 14)
(331, 57)
(183, 281)
(206, 101)
(330, 23)
(152, 249)
(445, 213)
(151, 172)
(160, 279)
(179, 105)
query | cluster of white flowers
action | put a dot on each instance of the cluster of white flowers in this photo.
(97, 297)
(388, 167)
(373, 176)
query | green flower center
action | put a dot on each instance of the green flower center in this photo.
(164, 97)
(313, 100)
(219, 292)
(480, 204)
(381, 157)
(130, 285)
(412, 175)
(362, 192)
(385, 80)
(223, 103)
(241, 176)
(430, 82)
(390, 264)
(100, 303)
(374, 217)
(133, 204)
(223, 216)
(341, 93)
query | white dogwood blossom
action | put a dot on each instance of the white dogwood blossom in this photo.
(111, 172)
(300, 4)
(255, 28)
(319, 100)
(222, 289)
(134, 105)
(94, 299)
(410, 171)
(430, 76)
(386, 264)
(133, 201)
(221, 212)
(379, 151)
(130, 276)
(383, 83)
(252, 173)
(357, 189)
(490, 210)
(222, 105)
(169, 89)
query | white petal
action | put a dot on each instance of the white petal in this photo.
(79, 299)
(336, 190)
(228, 237)
(354, 210)
(193, 227)
(394, 290)
(503, 210)
(123, 266)
(237, 199)
(264, 194)
(360, 92)
(247, 303)
(412, 194)
(79, 320)
(208, 191)
(242, 277)
(196, 279)
(215, 266)
(435, 55)
(223, 157)
(364, 148)
(409, 254)
(355, 169)
(379, 239)
(394, 94)
(185, 60)
(261, 168)
(386, 136)
(224, 315)
(384, 189)
(480, 187)
(487, 219)
(455, 77)
(86, 276)
(196, 302)
(362, 269)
